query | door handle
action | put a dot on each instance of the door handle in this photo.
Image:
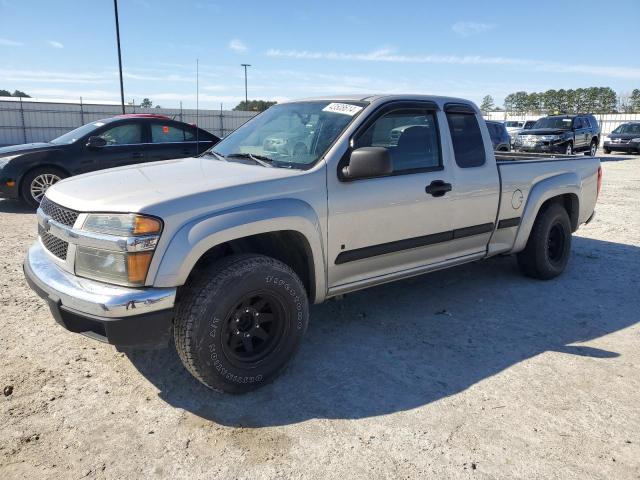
(137, 154)
(438, 188)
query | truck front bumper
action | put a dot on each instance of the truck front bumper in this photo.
(118, 315)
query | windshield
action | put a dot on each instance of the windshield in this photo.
(633, 128)
(562, 123)
(291, 134)
(73, 135)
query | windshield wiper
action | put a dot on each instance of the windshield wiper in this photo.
(213, 153)
(259, 159)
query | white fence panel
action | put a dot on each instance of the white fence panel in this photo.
(30, 121)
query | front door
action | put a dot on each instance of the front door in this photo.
(429, 210)
(124, 147)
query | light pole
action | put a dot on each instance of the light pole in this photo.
(115, 6)
(246, 98)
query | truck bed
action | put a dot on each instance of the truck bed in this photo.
(519, 156)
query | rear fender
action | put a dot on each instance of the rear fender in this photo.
(541, 192)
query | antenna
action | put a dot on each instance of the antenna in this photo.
(197, 106)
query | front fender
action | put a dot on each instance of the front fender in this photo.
(195, 238)
(542, 191)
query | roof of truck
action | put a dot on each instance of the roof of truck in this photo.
(371, 97)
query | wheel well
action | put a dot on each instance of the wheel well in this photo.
(38, 167)
(570, 203)
(288, 246)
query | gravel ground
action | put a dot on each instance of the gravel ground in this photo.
(471, 372)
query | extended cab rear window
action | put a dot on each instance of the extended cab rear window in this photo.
(468, 146)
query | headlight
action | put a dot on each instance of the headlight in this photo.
(137, 235)
(550, 138)
(636, 140)
(607, 138)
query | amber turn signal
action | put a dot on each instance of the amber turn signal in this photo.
(146, 225)
(138, 266)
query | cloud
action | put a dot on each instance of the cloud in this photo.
(9, 43)
(237, 46)
(55, 44)
(389, 56)
(466, 29)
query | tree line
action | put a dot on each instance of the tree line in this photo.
(16, 93)
(580, 100)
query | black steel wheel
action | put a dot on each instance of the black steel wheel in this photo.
(549, 245)
(240, 321)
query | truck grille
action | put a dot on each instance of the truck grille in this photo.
(54, 244)
(59, 214)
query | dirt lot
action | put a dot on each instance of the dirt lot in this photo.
(472, 372)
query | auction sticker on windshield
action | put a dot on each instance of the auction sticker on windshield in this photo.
(343, 108)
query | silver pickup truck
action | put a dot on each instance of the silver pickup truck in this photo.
(224, 252)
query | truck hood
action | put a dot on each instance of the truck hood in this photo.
(153, 187)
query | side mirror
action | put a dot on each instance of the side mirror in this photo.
(96, 142)
(368, 162)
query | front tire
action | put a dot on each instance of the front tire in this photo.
(569, 149)
(607, 151)
(549, 246)
(239, 323)
(36, 182)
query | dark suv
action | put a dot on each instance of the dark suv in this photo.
(499, 136)
(565, 134)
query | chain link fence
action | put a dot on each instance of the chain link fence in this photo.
(25, 121)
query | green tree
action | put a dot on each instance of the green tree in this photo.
(5, 93)
(634, 100)
(487, 104)
(18, 93)
(253, 106)
(146, 103)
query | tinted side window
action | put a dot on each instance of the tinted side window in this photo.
(411, 136)
(577, 123)
(166, 133)
(123, 134)
(587, 123)
(466, 137)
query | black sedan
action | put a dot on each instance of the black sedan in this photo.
(625, 138)
(26, 171)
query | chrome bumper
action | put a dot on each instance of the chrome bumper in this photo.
(89, 296)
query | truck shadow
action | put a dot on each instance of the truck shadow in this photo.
(400, 346)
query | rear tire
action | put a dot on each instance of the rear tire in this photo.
(593, 148)
(239, 323)
(549, 245)
(36, 182)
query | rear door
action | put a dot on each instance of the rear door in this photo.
(174, 140)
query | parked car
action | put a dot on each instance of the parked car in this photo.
(26, 171)
(565, 134)
(625, 138)
(526, 125)
(247, 238)
(499, 136)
